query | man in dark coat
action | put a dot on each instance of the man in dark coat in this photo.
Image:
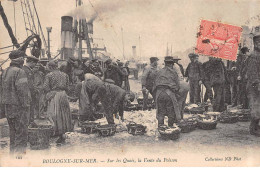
(217, 81)
(113, 101)
(113, 72)
(147, 80)
(31, 62)
(195, 75)
(253, 86)
(16, 99)
(166, 86)
(206, 82)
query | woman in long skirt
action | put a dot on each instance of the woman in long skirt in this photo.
(55, 85)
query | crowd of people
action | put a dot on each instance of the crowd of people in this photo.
(236, 83)
(40, 88)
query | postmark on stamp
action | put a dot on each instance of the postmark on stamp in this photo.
(218, 40)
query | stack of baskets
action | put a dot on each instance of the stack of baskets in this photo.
(39, 136)
(106, 130)
(206, 122)
(188, 125)
(150, 102)
(228, 117)
(169, 133)
(136, 129)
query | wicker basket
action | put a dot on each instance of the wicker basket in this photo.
(136, 129)
(141, 101)
(106, 130)
(39, 137)
(169, 136)
(89, 127)
(206, 125)
(228, 118)
(188, 125)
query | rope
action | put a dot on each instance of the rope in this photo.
(8, 46)
(24, 18)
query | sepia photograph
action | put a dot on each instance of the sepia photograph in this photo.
(130, 83)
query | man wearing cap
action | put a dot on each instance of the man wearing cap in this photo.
(31, 62)
(194, 72)
(147, 80)
(166, 86)
(113, 72)
(16, 98)
(253, 86)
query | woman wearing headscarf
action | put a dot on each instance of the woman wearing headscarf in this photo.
(58, 110)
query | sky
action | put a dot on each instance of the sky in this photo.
(156, 22)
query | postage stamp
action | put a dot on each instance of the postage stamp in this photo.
(218, 40)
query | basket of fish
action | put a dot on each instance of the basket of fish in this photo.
(206, 122)
(39, 136)
(194, 109)
(228, 117)
(106, 130)
(89, 127)
(169, 133)
(187, 125)
(136, 129)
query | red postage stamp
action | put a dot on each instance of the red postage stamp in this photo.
(218, 40)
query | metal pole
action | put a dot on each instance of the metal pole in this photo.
(80, 36)
(49, 48)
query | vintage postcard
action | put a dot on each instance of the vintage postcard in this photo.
(130, 83)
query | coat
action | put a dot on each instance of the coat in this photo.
(194, 71)
(148, 77)
(167, 80)
(15, 87)
(114, 97)
(115, 73)
(217, 72)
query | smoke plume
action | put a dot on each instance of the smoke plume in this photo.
(101, 8)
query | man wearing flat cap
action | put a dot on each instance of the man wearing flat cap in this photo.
(148, 79)
(166, 87)
(31, 62)
(195, 74)
(16, 98)
(252, 71)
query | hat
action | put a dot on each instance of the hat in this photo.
(168, 59)
(72, 59)
(153, 59)
(120, 63)
(110, 81)
(176, 57)
(32, 58)
(16, 54)
(192, 55)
